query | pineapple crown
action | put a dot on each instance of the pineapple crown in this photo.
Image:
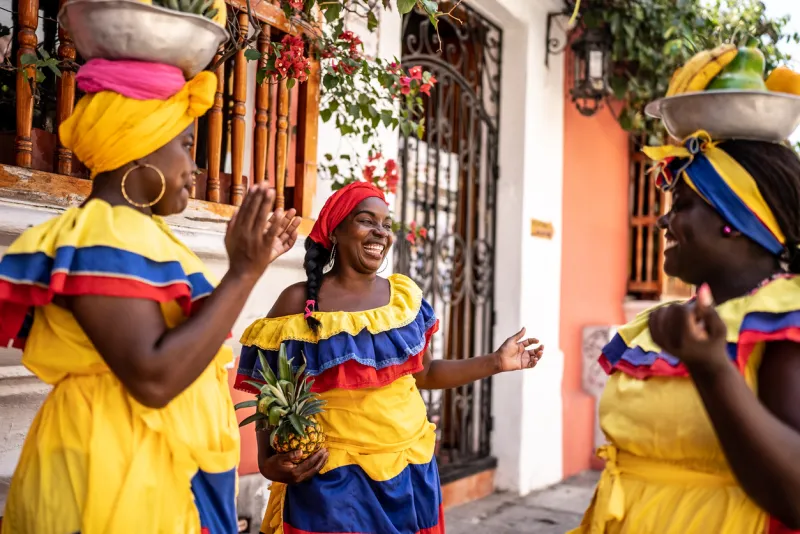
(284, 401)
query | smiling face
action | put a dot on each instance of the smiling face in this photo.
(365, 236)
(695, 247)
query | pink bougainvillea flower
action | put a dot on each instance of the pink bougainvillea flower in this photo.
(415, 72)
(425, 88)
(411, 238)
(423, 233)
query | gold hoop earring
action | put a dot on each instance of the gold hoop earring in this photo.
(160, 195)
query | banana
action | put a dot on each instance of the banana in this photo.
(710, 71)
(694, 75)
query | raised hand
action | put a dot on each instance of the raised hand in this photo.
(692, 332)
(514, 354)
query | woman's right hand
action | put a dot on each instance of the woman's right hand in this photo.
(253, 241)
(282, 467)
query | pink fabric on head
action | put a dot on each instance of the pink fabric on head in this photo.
(138, 80)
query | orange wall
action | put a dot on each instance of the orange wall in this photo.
(594, 257)
(248, 463)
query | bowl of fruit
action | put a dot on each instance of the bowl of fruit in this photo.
(287, 408)
(182, 33)
(724, 92)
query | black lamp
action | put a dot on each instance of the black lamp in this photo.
(592, 61)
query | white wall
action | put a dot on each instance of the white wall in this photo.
(527, 439)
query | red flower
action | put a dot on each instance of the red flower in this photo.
(376, 156)
(369, 172)
(425, 88)
(423, 233)
(405, 81)
(393, 68)
(345, 68)
(391, 175)
(432, 80)
(296, 4)
(415, 73)
(405, 90)
(413, 226)
(411, 238)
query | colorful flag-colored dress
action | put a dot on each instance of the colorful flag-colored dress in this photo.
(381, 476)
(665, 470)
(95, 460)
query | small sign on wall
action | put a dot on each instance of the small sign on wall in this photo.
(542, 229)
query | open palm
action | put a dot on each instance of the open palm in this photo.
(514, 354)
(280, 233)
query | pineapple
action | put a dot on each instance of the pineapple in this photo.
(286, 406)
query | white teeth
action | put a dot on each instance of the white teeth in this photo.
(377, 249)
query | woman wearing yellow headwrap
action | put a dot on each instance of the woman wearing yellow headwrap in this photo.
(138, 434)
(701, 406)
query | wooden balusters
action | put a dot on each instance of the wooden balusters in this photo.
(305, 178)
(28, 21)
(237, 118)
(193, 192)
(282, 145)
(215, 135)
(65, 98)
(263, 93)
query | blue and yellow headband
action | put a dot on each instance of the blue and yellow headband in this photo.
(719, 179)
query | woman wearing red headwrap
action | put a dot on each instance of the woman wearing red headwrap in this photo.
(365, 340)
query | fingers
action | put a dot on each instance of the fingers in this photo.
(519, 335)
(261, 214)
(530, 341)
(535, 355)
(246, 213)
(312, 465)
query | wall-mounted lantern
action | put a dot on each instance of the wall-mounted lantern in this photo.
(592, 62)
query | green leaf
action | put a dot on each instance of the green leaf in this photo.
(333, 11)
(386, 117)
(54, 69)
(261, 75)
(251, 419)
(251, 54)
(405, 6)
(290, 83)
(246, 404)
(275, 414)
(372, 21)
(297, 424)
(329, 81)
(28, 59)
(325, 115)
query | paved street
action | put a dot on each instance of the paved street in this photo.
(554, 510)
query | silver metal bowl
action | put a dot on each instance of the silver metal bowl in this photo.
(128, 29)
(751, 115)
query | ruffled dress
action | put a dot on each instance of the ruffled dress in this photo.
(665, 470)
(381, 477)
(95, 460)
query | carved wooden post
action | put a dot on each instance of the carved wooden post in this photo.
(193, 192)
(305, 182)
(237, 119)
(261, 140)
(65, 98)
(215, 136)
(282, 145)
(28, 21)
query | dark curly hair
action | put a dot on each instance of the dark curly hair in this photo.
(316, 258)
(776, 170)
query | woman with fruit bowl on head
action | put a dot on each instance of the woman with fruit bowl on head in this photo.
(365, 342)
(138, 434)
(701, 405)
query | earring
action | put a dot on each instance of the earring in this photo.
(384, 265)
(329, 265)
(160, 195)
(727, 231)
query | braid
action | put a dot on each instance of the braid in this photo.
(316, 258)
(776, 170)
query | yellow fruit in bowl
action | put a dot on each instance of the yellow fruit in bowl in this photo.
(784, 80)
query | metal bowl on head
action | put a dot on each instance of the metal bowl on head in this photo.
(128, 29)
(750, 115)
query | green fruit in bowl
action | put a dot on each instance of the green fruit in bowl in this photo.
(744, 73)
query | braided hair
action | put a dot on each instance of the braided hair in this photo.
(776, 170)
(315, 260)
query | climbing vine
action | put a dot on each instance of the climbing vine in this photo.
(652, 38)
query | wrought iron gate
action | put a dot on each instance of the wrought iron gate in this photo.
(448, 186)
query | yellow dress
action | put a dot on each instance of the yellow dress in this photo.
(665, 471)
(95, 460)
(381, 476)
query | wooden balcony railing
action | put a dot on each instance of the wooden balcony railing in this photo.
(647, 279)
(254, 132)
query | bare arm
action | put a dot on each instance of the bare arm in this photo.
(761, 439)
(156, 363)
(511, 356)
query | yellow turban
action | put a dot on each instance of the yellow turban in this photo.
(108, 130)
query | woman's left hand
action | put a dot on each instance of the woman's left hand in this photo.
(692, 332)
(514, 355)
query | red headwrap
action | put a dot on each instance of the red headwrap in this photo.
(338, 207)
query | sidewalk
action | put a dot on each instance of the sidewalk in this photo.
(554, 510)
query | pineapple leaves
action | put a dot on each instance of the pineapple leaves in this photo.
(297, 424)
(266, 370)
(258, 385)
(255, 417)
(275, 414)
(246, 404)
(284, 365)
